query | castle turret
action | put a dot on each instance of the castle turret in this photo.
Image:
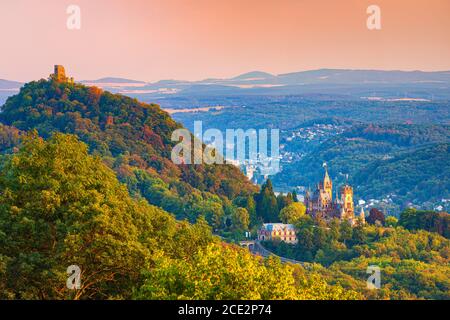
(347, 201)
(362, 216)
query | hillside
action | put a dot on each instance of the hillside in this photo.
(133, 138)
(407, 161)
(418, 176)
(62, 207)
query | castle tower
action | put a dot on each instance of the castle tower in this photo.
(347, 201)
(59, 74)
(307, 198)
(327, 183)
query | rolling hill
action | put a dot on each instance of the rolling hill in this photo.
(133, 138)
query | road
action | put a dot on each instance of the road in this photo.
(260, 250)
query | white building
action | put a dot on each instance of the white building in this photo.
(281, 231)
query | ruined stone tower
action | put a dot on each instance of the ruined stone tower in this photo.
(59, 74)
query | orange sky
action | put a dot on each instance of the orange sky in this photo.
(195, 39)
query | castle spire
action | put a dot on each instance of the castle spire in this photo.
(326, 171)
(362, 215)
(327, 184)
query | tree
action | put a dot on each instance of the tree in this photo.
(294, 196)
(292, 213)
(374, 216)
(284, 201)
(251, 209)
(359, 235)
(438, 222)
(334, 229)
(219, 272)
(346, 231)
(266, 203)
(320, 237)
(60, 206)
(241, 219)
(391, 221)
(224, 272)
(304, 230)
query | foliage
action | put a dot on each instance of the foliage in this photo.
(391, 221)
(414, 265)
(413, 219)
(292, 213)
(375, 217)
(224, 272)
(266, 206)
(59, 207)
(266, 203)
(132, 137)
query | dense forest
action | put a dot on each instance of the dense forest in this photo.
(133, 138)
(414, 264)
(60, 206)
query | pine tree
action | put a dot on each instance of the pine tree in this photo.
(266, 203)
(251, 208)
(294, 196)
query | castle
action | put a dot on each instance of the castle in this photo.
(320, 203)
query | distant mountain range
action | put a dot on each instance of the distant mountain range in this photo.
(9, 85)
(8, 88)
(370, 84)
(114, 80)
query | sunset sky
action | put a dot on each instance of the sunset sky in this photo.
(196, 39)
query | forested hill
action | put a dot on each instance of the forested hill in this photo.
(133, 138)
(421, 175)
(406, 163)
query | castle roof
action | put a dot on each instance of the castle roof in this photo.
(326, 177)
(362, 214)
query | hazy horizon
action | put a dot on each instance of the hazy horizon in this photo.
(206, 77)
